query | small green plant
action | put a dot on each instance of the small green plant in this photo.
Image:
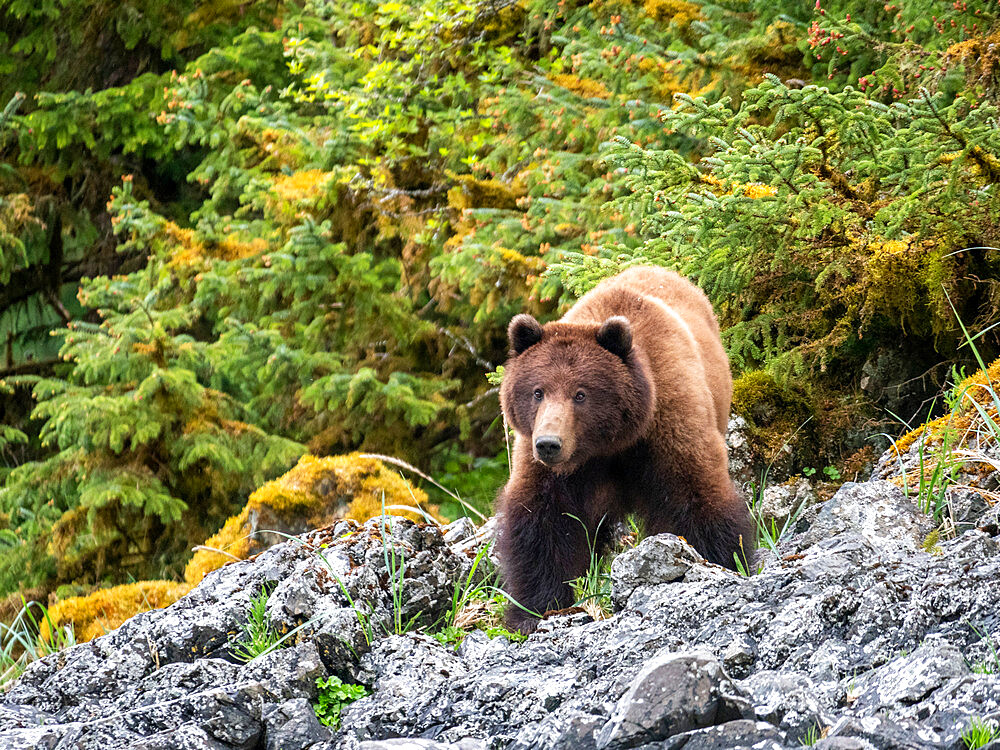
(593, 589)
(21, 642)
(979, 733)
(450, 635)
(258, 636)
(395, 563)
(808, 471)
(333, 697)
(768, 533)
(471, 600)
(930, 543)
(511, 635)
(832, 473)
(812, 736)
(986, 666)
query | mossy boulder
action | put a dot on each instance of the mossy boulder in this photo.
(314, 493)
(777, 417)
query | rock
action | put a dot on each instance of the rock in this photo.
(740, 734)
(404, 744)
(739, 656)
(884, 733)
(459, 531)
(877, 512)
(908, 678)
(292, 725)
(741, 455)
(673, 693)
(843, 743)
(788, 700)
(780, 503)
(656, 560)
(854, 630)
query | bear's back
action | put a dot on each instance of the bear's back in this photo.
(671, 317)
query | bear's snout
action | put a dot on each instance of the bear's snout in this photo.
(548, 448)
(552, 435)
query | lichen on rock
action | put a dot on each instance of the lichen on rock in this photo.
(314, 493)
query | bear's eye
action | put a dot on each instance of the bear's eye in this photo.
(538, 394)
(579, 397)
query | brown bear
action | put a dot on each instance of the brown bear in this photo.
(619, 407)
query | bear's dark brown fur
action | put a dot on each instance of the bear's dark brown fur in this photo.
(619, 407)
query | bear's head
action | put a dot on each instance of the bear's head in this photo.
(576, 391)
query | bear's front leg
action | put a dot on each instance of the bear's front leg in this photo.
(541, 548)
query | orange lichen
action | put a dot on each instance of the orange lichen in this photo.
(104, 610)
(187, 249)
(980, 54)
(752, 190)
(585, 87)
(314, 493)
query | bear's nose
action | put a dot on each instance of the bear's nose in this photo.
(547, 447)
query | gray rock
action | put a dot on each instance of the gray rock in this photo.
(740, 734)
(742, 466)
(415, 744)
(853, 629)
(656, 560)
(909, 678)
(843, 743)
(673, 693)
(789, 700)
(459, 531)
(885, 733)
(292, 725)
(876, 512)
(286, 673)
(783, 502)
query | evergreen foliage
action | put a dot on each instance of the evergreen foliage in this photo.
(323, 214)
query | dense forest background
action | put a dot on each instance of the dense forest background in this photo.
(234, 233)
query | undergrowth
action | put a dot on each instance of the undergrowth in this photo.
(979, 733)
(258, 636)
(333, 697)
(21, 642)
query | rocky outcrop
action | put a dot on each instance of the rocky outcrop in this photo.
(854, 635)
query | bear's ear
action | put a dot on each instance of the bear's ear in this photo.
(524, 331)
(615, 335)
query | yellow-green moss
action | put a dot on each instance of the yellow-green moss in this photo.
(314, 493)
(470, 192)
(774, 412)
(104, 610)
(751, 389)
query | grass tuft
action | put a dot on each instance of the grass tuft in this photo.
(258, 636)
(979, 733)
(21, 642)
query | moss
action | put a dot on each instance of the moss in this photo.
(677, 12)
(775, 412)
(978, 387)
(104, 610)
(470, 192)
(751, 391)
(314, 493)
